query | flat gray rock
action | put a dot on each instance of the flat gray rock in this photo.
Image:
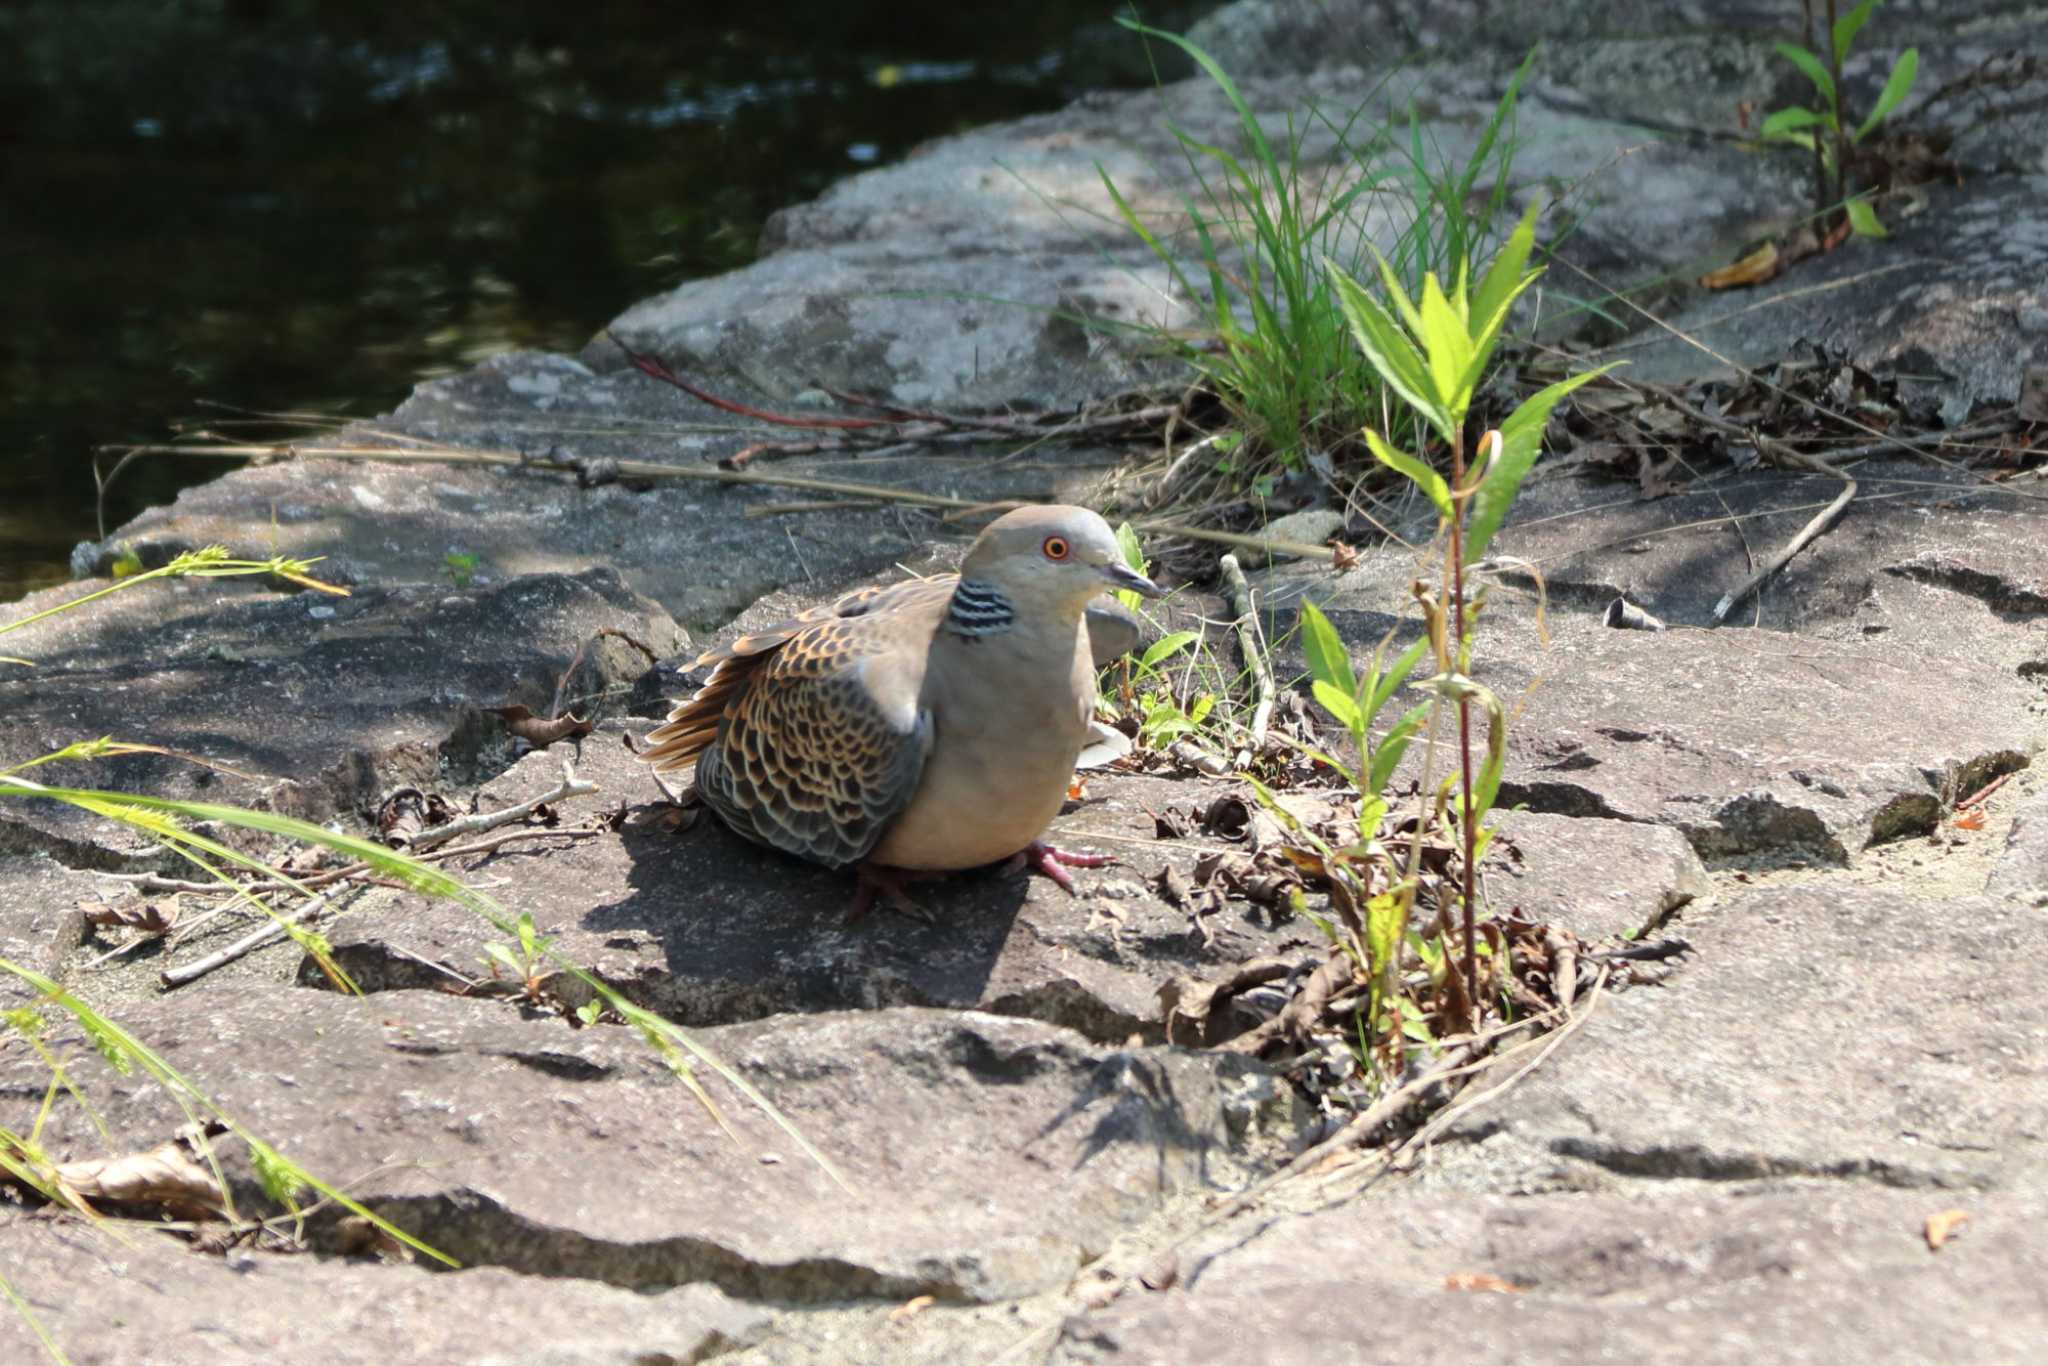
(1746, 742)
(689, 540)
(323, 702)
(151, 1299)
(2022, 869)
(527, 1144)
(1815, 1032)
(1597, 878)
(1817, 1274)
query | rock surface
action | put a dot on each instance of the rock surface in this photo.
(1734, 1153)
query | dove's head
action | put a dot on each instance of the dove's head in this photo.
(1052, 556)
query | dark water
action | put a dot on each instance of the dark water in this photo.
(310, 206)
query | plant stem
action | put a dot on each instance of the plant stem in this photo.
(1457, 643)
(1841, 119)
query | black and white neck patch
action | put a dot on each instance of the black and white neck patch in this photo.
(978, 609)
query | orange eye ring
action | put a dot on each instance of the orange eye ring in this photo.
(1056, 548)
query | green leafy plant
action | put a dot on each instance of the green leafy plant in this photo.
(1175, 687)
(461, 567)
(1275, 345)
(1824, 128)
(1430, 352)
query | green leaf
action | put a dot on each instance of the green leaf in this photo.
(1422, 476)
(1811, 65)
(503, 955)
(1521, 442)
(1504, 278)
(1392, 355)
(1340, 704)
(1223, 82)
(1785, 123)
(1204, 704)
(281, 1178)
(1896, 87)
(1127, 542)
(1387, 757)
(1385, 923)
(1448, 347)
(1397, 675)
(1863, 219)
(1328, 660)
(1165, 647)
(1847, 27)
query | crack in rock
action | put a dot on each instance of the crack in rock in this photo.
(1692, 1162)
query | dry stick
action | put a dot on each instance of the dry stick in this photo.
(627, 469)
(246, 945)
(1238, 594)
(152, 882)
(647, 469)
(1821, 522)
(1462, 1106)
(570, 786)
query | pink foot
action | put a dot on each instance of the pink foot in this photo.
(879, 880)
(1038, 856)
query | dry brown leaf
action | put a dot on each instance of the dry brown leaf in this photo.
(358, 1237)
(1944, 1226)
(147, 917)
(520, 721)
(1480, 1281)
(1753, 269)
(910, 1309)
(166, 1176)
(1342, 557)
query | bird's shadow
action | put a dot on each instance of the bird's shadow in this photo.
(749, 932)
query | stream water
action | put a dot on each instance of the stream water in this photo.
(218, 207)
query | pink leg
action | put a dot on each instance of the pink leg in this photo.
(1040, 857)
(874, 881)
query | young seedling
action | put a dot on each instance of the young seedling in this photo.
(1824, 127)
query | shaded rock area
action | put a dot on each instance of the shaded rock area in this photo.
(1735, 1154)
(309, 703)
(707, 928)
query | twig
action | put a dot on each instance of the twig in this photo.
(1238, 594)
(570, 786)
(626, 469)
(246, 945)
(1461, 1106)
(1981, 793)
(1783, 454)
(815, 505)
(156, 882)
(1270, 545)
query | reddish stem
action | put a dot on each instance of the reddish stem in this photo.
(650, 365)
(1467, 890)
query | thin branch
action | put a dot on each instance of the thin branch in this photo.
(1238, 594)
(1824, 519)
(246, 945)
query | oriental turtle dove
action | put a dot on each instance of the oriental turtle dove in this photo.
(926, 726)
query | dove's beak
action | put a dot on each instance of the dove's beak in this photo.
(1123, 576)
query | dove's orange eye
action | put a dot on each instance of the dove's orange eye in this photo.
(1056, 548)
